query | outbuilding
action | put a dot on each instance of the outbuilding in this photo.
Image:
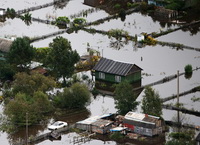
(143, 124)
(2, 11)
(101, 126)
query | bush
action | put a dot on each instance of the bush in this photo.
(73, 97)
(188, 69)
(116, 136)
(79, 21)
(61, 20)
(117, 6)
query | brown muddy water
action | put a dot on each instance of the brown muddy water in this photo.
(156, 61)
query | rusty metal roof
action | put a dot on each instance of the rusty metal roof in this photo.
(140, 117)
(114, 67)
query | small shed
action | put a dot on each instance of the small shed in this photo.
(101, 126)
(2, 11)
(87, 123)
(143, 124)
(5, 44)
(140, 37)
(115, 72)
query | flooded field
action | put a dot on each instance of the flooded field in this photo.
(156, 61)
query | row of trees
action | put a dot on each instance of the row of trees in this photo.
(125, 99)
(59, 58)
(28, 91)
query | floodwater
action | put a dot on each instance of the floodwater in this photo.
(156, 61)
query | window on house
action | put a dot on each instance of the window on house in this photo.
(118, 78)
(102, 75)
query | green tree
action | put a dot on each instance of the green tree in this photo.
(36, 106)
(151, 103)
(73, 97)
(6, 71)
(61, 58)
(125, 98)
(21, 53)
(29, 84)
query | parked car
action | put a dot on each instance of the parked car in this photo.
(57, 125)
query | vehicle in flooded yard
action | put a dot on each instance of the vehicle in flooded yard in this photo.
(57, 125)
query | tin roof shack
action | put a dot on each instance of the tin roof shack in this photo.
(87, 123)
(143, 124)
(102, 126)
(113, 71)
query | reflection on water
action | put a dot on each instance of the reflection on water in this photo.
(156, 60)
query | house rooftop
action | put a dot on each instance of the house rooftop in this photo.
(114, 67)
(148, 119)
(102, 123)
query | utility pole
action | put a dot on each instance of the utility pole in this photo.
(178, 117)
(26, 128)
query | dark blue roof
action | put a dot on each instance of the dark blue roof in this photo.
(115, 67)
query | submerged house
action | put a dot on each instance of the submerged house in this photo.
(93, 3)
(108, 70)
(165, 13)
(143, 124)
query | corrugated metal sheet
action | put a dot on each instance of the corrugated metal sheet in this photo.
(113, 67)
(149, 119)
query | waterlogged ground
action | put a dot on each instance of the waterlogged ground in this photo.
(156, 61)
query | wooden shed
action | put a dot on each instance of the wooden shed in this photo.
(115, 72)
(143, 124)
(101, 126)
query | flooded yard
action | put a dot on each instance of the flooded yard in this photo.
(157, 61)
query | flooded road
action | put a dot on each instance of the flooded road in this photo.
(156, 61)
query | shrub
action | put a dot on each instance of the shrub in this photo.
(188, 69)
(61, 20)
(79, 21)
(117, 6)
(116, 136)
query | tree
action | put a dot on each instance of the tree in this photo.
(36, 106)
(61, 58)
(151, 103)
(29, 84)
(6, 71)
(73, 97)
(21, 53)
(125, 98)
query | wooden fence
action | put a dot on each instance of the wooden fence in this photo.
(183, 110)
(39, 7)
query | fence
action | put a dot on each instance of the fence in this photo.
(39, 7)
